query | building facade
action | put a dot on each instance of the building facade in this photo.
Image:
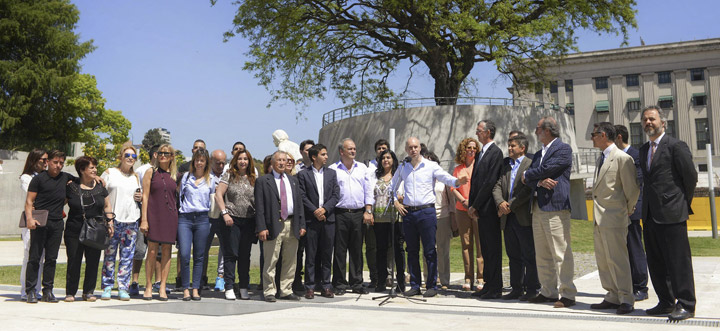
(683, 78)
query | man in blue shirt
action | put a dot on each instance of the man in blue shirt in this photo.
(418, 211)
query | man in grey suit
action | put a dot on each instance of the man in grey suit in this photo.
(280, 222)
(512, 199)
(670, 178)
(615, 192)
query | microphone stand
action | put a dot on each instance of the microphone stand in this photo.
(393, 293)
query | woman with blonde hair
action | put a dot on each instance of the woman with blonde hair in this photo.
(465, 158)
(159, 217)
(123, 187)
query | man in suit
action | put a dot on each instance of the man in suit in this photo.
(280, 222)
(486, 171)
(320, 194)
(669, 184)
(636, 252)
(549, 178)
(512, 199)
(615, 192)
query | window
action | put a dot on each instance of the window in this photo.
(601, 83)
(568, 85)
(702, 167)
(666, 102)
(633, 104)
(538, 88)
(636, 135)
(664, 77)
(632, 80)
(670, 128)
(553, 87)
(702, 133)
(699, 99)
(697, 74)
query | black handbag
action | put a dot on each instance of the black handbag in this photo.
(94, 232)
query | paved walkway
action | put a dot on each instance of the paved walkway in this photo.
(451, 310)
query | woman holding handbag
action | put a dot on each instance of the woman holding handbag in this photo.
(235, 197)
(195, 189)
(88, 200)
(123, 187)
(159, 217)
(34, 164)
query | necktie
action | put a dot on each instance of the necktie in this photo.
(653, 146)
(480, 155)
(600, 164)
(283, 199)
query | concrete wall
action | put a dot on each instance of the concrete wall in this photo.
(441, 128)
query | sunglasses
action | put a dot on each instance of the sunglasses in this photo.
(472, 148)
(134, 156)
(164, 153)
(44, 159)
(595, 134)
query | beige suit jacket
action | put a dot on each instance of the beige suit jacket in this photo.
(615, 190)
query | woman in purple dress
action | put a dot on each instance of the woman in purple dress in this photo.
(159, 220)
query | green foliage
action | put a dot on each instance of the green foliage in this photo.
(300, 48)
(39, 81)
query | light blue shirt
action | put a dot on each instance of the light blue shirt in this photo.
(419, 182)
(514, 166)
(195, 198)
(356, 190)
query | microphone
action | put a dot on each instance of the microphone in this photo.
(407, 159)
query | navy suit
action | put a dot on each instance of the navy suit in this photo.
(638, 260)
(486, 172)
(668, 191)
(551, 220)
(320, 234)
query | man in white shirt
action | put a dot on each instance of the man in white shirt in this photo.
(418, 210)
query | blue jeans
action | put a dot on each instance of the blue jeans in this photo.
(193, 229)
(421, 225)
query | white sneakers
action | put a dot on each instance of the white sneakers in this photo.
(244, 294)
(230, 295)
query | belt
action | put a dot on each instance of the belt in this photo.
(347, 210)
(416, 208)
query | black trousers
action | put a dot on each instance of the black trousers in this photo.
(75, 252)
(638, 260)
(320, 241)
(670, 263)
(520, 249)
(237, 241)
(491, 247)
(348, 241)
(383, 236)
(297, 285)
(46, 238)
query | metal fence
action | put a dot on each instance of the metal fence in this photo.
(359, 109)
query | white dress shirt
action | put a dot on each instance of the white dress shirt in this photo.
(419, 182)
(319, 181)
(355, 188)
(485, 148)
(288, 190)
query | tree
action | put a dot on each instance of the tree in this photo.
(39, 66)
(299, 48)
(152, 138)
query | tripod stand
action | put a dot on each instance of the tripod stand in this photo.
(393, 293)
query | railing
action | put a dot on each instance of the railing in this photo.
(359, 109)
(585, 159)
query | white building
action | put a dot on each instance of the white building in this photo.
(164, 134)
(614, 85)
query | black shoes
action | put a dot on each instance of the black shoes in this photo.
(412, 292)
(604, 305)
(291, 297)
(270, 298)
(430, 293)
(540, 299)
(625, 308)
(513, 295)
(640, 296)
(680, 313)
(564, 303)
(48, 297)
(32, 297)
(491, 296)
(360, 290)
(527, 296)
(660, 309)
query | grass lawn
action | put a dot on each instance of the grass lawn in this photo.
(582, 242)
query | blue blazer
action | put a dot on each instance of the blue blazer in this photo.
(635, 153)
(557, 165)
(310, 193)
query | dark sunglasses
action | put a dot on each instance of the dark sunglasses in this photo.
(164, 153)
(44, 159)
(595, 134)
(471, 148)
(134, 156)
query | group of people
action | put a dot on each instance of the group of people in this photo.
(312, 218)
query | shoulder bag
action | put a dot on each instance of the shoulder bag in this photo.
(94, 232)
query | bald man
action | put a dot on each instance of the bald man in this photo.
(418, 210)
(218, 159)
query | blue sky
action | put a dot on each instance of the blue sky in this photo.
(163, 64)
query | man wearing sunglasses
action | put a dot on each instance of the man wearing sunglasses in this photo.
(185, 167)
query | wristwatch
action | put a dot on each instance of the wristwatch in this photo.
(368, 211)
(224, 212)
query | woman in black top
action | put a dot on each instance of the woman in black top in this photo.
(94, 202)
